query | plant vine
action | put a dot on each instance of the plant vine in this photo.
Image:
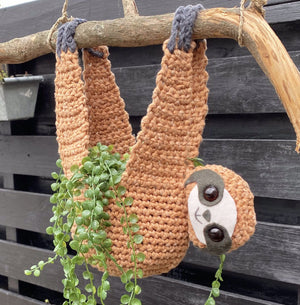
(215, 290)
(82, 201)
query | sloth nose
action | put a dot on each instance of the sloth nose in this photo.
(216, 234)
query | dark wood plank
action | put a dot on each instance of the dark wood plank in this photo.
(154, 288)
(28, 155)
(41, 15)
(278, 210)
(285, 12)
(260, 162)
(10, 298)
(270, 167)
(237, 85)
(272, 252)
(27, 211)
(281, 240)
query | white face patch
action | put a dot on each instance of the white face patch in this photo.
(223, 213)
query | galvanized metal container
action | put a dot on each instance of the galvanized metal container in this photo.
(18, 97)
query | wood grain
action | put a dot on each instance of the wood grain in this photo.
(237, 85)
(260, 162)
(279, 262)
(10, 298)
(273, 252)
(166, 290)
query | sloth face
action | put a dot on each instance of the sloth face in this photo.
(213, 209)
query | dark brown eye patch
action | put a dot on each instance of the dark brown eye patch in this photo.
(210, 193)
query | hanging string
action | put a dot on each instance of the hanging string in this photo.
(240, 32)
(257, 5)
(63, 19)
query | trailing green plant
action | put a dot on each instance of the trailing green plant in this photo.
(215, 290)
(3, 74)
(98, 178)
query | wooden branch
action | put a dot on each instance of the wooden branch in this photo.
(258, 37)
(130, 8)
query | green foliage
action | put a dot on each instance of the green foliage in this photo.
(197, 161)
(98, 179)
(215, 290)
(3, 74)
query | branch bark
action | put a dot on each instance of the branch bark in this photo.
(258, 37)
(130, 8)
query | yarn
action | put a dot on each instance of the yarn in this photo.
(92, 111)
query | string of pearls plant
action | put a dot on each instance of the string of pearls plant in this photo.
(99, 179)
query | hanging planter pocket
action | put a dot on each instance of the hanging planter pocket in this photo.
(18, 97)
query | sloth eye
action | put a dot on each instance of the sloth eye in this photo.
(210, 193)
(216, 234)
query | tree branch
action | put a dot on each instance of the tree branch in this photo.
(130, 8)
(258, 37)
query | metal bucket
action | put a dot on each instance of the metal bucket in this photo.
(18, 97)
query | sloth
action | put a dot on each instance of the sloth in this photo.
(221, 214)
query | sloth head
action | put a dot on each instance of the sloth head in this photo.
(221, 209)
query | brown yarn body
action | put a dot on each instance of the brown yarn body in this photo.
(72, 125)
(108, 120)
(171, 133)
(88, 112)
(239, 190)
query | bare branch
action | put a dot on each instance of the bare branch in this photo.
(258, 37)
(130, 8)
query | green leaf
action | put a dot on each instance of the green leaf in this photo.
(74, 168)
(49, 230)
(101, 293)
(137, 289)
(88, 166)
(98, 210)
(133, 218)
(85, 159)
(210, 301)
(95, 225)
(124, 279)
(54, 175)
(129, 274)
(197, 161)
(222, 258)
(86, 275)
(105, 275)
(141, 257)
(53, 198)
(117, 179)
(121, 190)
(58, 163)
(74, 244)
(134, 228)
(36, 273)
(138, 239)
(89, 288)
(215, 292)
(109, 194)
(86, 214)
(54, 187)
(106, 285)
(129, 287)
(125, 299)
(136, 301)
(128, 201)
(28, 272)
(140, 273)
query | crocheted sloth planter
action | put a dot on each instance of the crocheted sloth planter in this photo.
(162, 182)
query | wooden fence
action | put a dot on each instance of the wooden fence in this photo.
(246, 130)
